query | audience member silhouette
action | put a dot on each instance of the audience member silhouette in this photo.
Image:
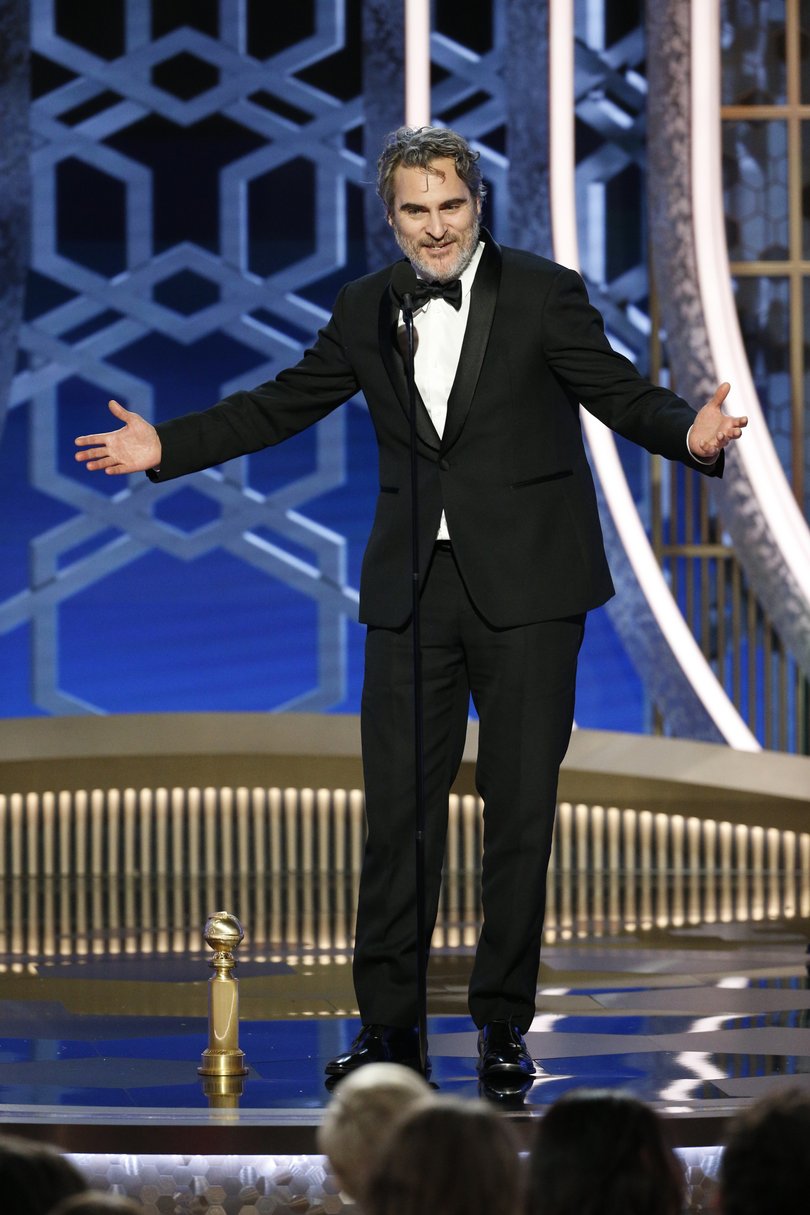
(34, 1177)
(359, 1118)
(448, 1157)
(98, 1202)
(602, 1153)
(765, 1167)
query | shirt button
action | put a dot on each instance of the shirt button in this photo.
(444, 465)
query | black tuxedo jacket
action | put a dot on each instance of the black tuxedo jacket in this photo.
(510, 470)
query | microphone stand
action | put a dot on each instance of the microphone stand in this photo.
(418, 717)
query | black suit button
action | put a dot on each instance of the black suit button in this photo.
(444, 465)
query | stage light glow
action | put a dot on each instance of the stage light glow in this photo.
(417, 63)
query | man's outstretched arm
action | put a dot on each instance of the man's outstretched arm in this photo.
(135, 447)
(242, 423)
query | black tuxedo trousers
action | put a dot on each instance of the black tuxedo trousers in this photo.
(522, 683)
(503, 612)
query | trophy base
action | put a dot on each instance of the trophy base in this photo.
(222, 1063)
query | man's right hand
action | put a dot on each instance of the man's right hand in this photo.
(133, 448)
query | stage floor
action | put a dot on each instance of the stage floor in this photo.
(694, 999)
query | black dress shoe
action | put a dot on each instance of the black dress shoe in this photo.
(502, 1052)
(508, 1090)
(378, 1044)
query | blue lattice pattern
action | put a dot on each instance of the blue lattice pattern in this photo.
(611, 93)
(104, 304)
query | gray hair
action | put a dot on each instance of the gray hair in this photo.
(358, 1121)
(417, 148)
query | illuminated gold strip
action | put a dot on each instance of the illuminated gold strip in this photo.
(768, 269)
(736, 633)
(765, 113)
(767, 682)
(753, 622)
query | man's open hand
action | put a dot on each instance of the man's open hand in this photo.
(712, 430)
(133, 448)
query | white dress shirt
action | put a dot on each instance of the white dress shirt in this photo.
(439, 332)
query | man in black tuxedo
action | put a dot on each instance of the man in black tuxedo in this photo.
(511, 554)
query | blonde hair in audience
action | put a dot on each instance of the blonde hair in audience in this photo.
(359, 1118)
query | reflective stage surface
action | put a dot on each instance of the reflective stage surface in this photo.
(667, 926)
(688, 989)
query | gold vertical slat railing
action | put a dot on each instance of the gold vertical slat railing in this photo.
(729, 625)
(120, 871)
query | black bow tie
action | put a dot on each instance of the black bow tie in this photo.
(424, 292)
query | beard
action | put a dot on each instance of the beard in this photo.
(460, 249)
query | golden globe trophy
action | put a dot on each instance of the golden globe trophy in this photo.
(223, 1058)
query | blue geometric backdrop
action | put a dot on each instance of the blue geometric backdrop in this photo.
(199, 178)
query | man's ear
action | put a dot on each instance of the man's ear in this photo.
(389, 219)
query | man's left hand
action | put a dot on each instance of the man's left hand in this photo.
(712, 430)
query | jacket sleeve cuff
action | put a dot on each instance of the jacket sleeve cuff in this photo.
(700, 459)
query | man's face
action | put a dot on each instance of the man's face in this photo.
(435, 219)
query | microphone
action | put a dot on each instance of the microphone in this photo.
(403, 285)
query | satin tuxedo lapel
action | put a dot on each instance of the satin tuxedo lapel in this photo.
(483, 298)
(395, 366)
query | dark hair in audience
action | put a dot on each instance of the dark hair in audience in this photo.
(602, 1153)
(98, 1202)
(449, 1156)
(34, 1177)
(765, 1167)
